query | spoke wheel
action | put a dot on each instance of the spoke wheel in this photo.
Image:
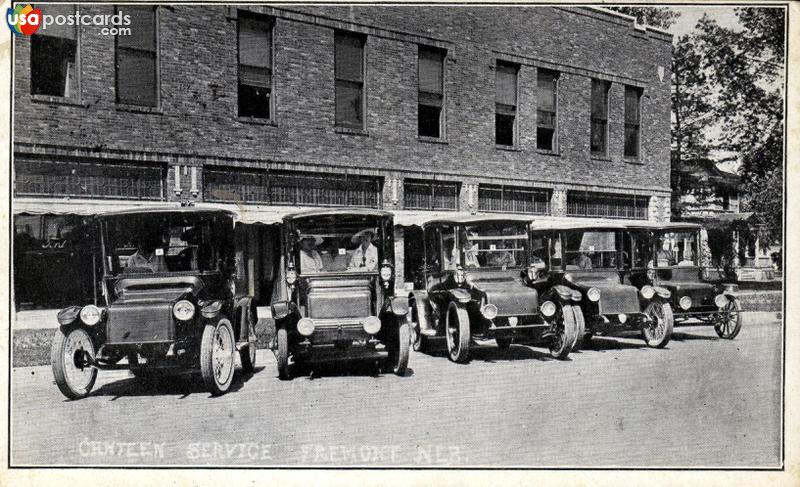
(565, 330)
(217, 356)
(419, 342)
(70, 348)
(581, 335)
(247, 354)
(729, 323)
(658, 331)
(457, 333)
(398, 348)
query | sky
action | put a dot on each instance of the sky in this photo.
(685, 24)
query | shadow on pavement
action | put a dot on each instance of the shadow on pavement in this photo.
(681, 336)
(375, 368)
(603, 343)
(183, 384)
(492, 353)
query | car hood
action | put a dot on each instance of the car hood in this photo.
(682, 288)
(156, 289)
(506, 290)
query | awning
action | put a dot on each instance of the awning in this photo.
(83, 207)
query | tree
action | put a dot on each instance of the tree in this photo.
(659, 17)
(747, 68)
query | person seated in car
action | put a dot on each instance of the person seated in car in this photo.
(583, 261)
(365, 257)
(310, 260)
(502, 258)
(149, 254)
(470, 254)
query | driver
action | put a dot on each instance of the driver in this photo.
(310, 260)
(146, 255)
(365, 257)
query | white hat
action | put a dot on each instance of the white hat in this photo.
(355, 238)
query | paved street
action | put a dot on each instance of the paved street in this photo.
(700, 402)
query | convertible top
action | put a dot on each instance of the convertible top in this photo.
(337, 211)
(166, 210)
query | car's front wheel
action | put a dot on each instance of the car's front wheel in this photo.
(68, 353)
(419, 342)
(565, 332)
(282, 354)
(658, 330)
(217, 350)
(729, 322)
(398, 349)
(457, 333)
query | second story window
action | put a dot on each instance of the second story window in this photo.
(255, 67)
(633, 98)
(349, 73)
(431, 92)
(137, 58)
(546, 110)
(54, 57)
(599, 135)
(505, 101)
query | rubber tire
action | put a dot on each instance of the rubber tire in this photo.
(458, 352)
(247, 354)
(420, 342)
(399, 351)
(504, 342)
(582, 335)
(214, 386)
(737, 328)
(569, 334)
(282, 354)
(59, 366)
(669, 322)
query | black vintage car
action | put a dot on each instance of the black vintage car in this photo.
(674, 262)
(592, 258)
(334, 298)
(165, 301)
(475, 282)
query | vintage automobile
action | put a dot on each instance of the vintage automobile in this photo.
(335, 296)
(165, 301)
(475, 283)
(673, 262)
(589, 257)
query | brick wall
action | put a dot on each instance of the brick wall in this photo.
(196, 123)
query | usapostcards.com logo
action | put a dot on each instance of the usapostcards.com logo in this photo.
(26, 20)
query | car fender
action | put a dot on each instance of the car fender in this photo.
(398, 305)
(282, 309)
(240, 310)
(69, 315)
(564, 293)
(460, 295)
(662, 292)
(421, 301)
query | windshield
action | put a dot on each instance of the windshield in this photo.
(494, 245)
(338, 243)
(677, 249)
(588, 250)
(163, 243)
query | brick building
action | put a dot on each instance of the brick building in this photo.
(549, 111)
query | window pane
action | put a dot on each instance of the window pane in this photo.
(599, 99)
(53, 69)
(428, 123)
(504, 129)
(430, 70)
(546, 83)
(142, 28)
(55, 30)
(631, 105)
(254, 42)
(348, 104)
(253, 101)
(506, 84)
(136, 77)
(349, 57)
(260, 77)
(631, 140)
(598, 136)
(544, 138)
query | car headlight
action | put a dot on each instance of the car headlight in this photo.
(291, 276)
(648, 292)
(622, 318)
(91, 315)
(183, 310)
(593, 294)
(460, 275)
(386, 272)
(721, 300)
(489, 311)
(685, 303)
(372, 325)
(548, 308)
(305, 326)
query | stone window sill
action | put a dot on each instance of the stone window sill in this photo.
(257, 121)
(432, 140)
(351, 131)
(59, 100)
(139, 109)
(633, 160)
(548, 153)
(509, 148)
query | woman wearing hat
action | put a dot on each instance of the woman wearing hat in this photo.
(365, 257)
(310, 260)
